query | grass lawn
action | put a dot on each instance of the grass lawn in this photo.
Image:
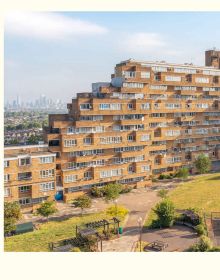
(38, 240)
(203, 193)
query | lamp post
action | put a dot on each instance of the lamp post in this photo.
(140, 229)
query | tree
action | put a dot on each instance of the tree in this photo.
(203, 164)
(12, 213)
(183, 173)
(46, 209)
(162, 193)
(112, 191)
(165, 212)
(83, 202)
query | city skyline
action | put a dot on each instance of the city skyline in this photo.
(60, 54)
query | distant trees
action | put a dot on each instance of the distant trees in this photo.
(202, 164)
(12, 213)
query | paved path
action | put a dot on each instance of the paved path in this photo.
(139, 203)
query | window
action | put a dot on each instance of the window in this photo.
(130, 138)
(145, 106)
(131, 168)
(202, 80)
(70, 142)
(110, 106)
(185, 70)
(24, 189)
(157, 87)
(133, 85)
(47, 173)
(70, 178)
(6, 163)
(145, 168)
(24, 176)
(111, 140)
(25, 201)
(145, 137)
(87, 141)
(70, 130)
(202, 105)
(173, 105)
(85, 106)
(128, 74)
(172, 133)
(7, 192)
(159, 69)
(6, 178)
(47, 186)
(24, 161)
(110, 173)
(46, 159)
(173, 78)
(145, 75)
(130, 106)
(88, 175)
(91, 118)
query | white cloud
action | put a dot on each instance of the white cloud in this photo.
(142, 42)
(49, 26)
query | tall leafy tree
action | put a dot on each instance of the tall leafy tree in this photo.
(203, 164)
(47, 209)
(112, 191)
(165, 212)
(83, 202)
(12, 213)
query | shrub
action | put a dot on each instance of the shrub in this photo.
(75, 249)
(165, 212)
(202, 164)
(201, 230)
(162, 176)
(162, 193)
(204, 245)
(126, 189)
(97, 192)
(182, 173)
(119, 210)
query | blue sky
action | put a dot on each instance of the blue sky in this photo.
(59, 54)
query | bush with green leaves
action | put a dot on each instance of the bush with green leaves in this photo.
(201, 229)
(162, 193)
(83, 202)
(75, 249)
(97, 192)
(182, 173)
(203, 164)
(112, 191)
(117, 211)
(126, 189)
(204, 245)
(46, 209)
(165, 212)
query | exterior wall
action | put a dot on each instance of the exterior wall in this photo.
(15, 185)
(182, 119)
(160, 118)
